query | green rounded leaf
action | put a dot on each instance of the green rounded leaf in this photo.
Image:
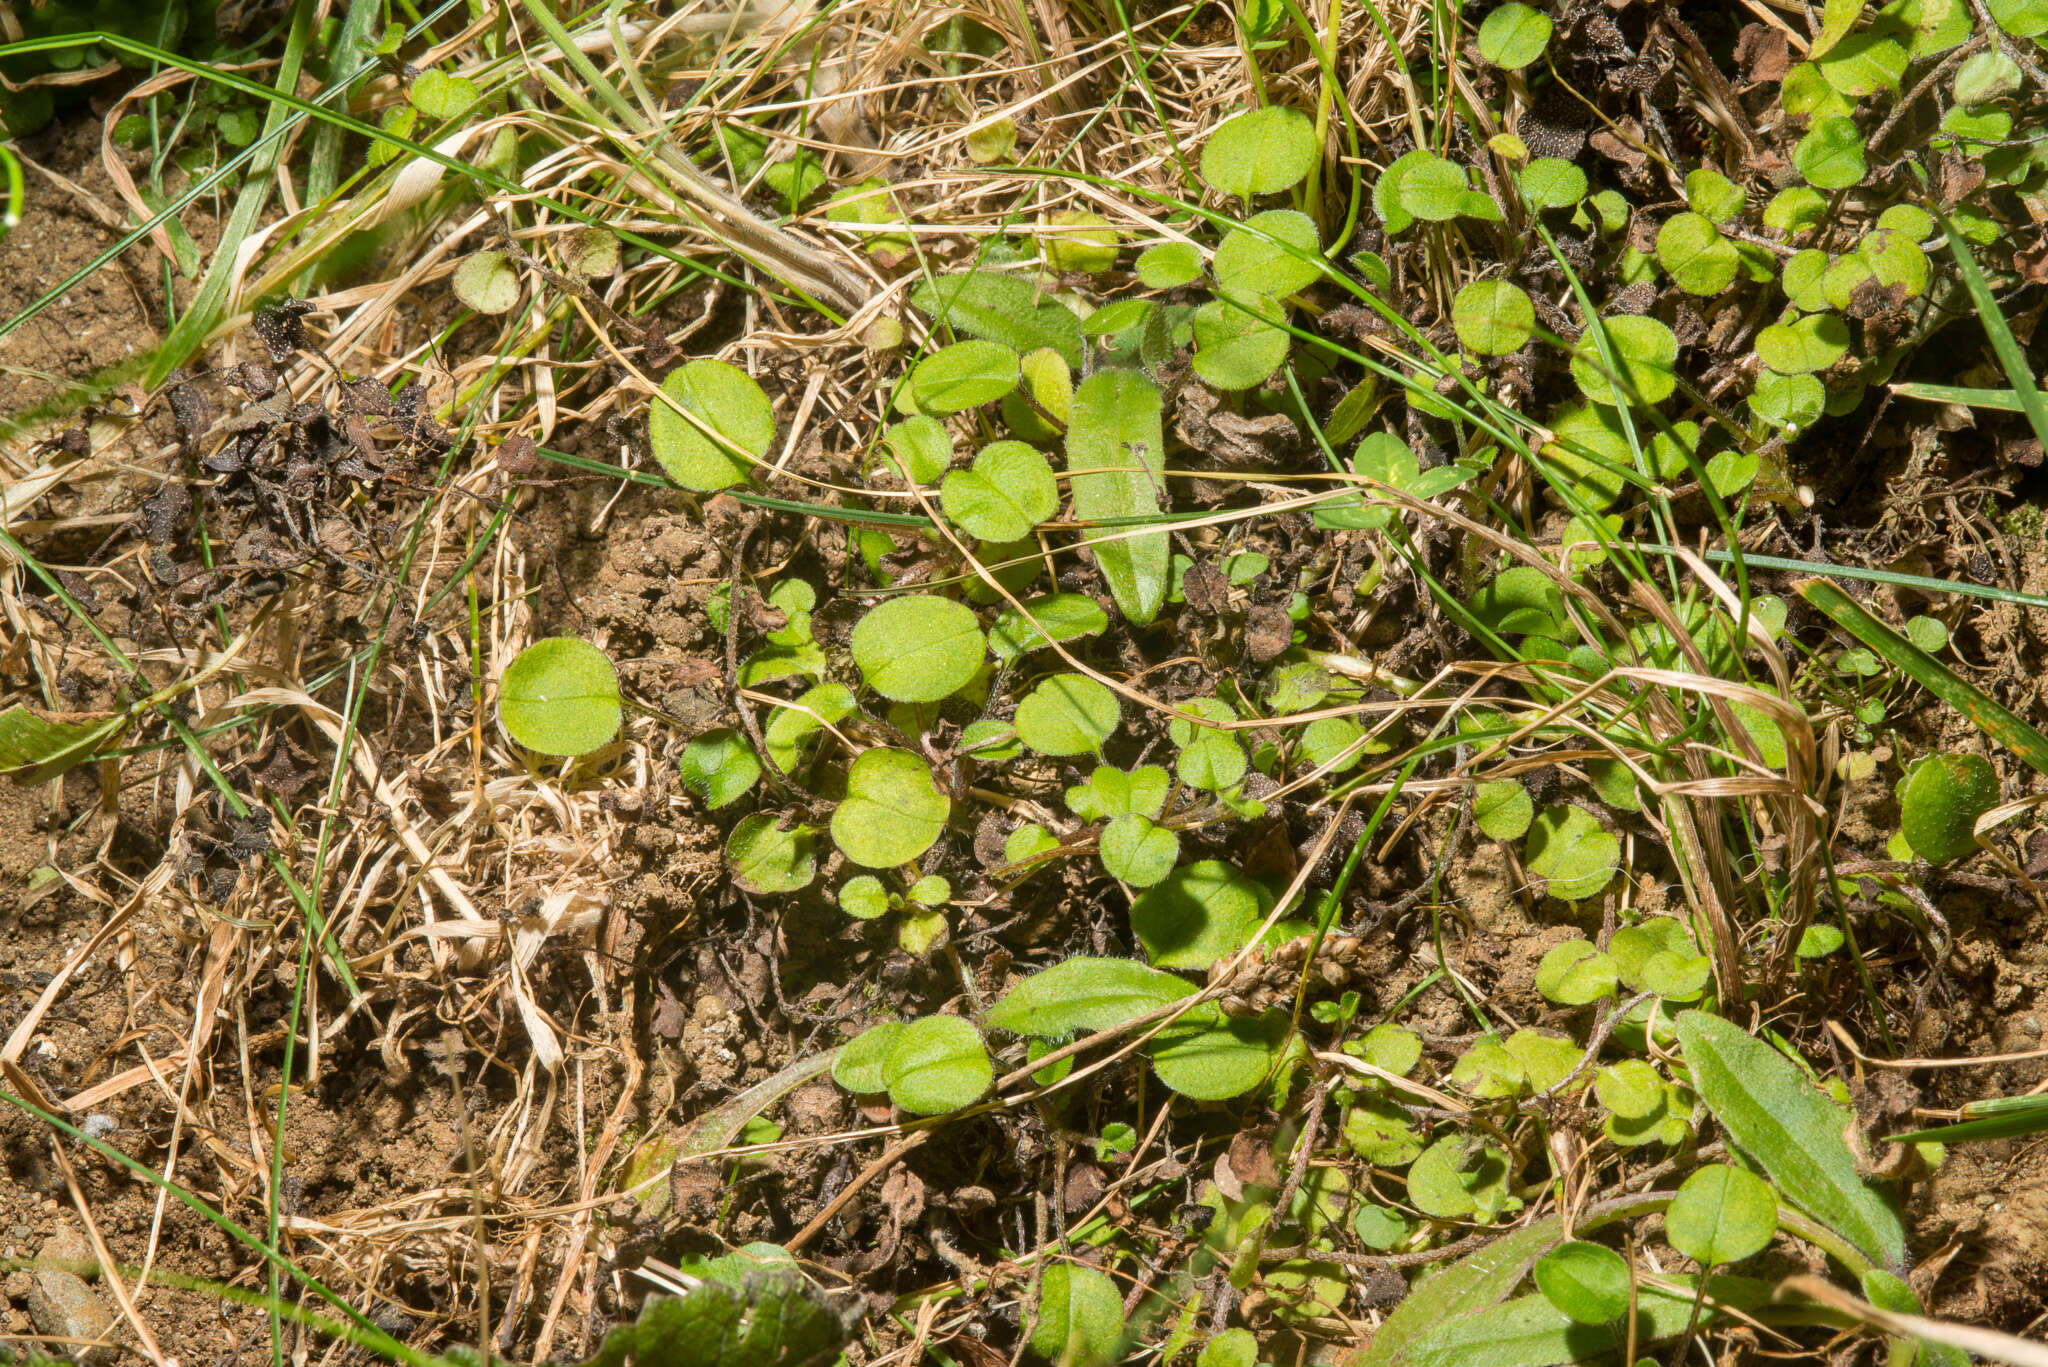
(1502, 810)
(1327, 741)
(964, 375)
(1645, 354)
(1571, 850)
(1722, 1214)
(937, 1064)
(1553, 183)
(723, 399)
(439, 95)
(1433, 188)
(1588, 1282)
(1514, 35)
(1630, 1088)
(1198, 914)
(765, 859)
(720, 766)
(918, 649)
(1275, 253)
(1208, 1056)
(1084, 242)
(1830, 156)
(1492, 317)
(1068, 714)
(487, 282)
(1169, 265)
(918, 449)
(1699, 259)
(1080, 1319)
(1940, 799)
(864, 898)
(1713, 194)
(1137, 851)
(1259, 152)
(1928, 633)
(1444, 1179)
(560, 696)
(1803, 345)
(859, 1068)
(1575, 973)
(1793, 402)
(892, 811)
(1009, 490)
(1237, 342)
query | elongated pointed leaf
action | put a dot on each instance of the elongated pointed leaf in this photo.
(1530, 1332)
(1085, 994)
(1482, 1280)
(1793, 1132)
(1115, 452)
(1994, 720)
(35, 747)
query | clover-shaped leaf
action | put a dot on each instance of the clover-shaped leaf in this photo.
(1940, 799)
(1450, 1177)
(1111, 793)
(1722, 1214)
(487, 282)
(1169, 265)
(1433, 188)
(1138, 852)
(1700, 260)
(1553, 183)
(1197, 914)
(1589, 1282)
(1803, 344)
(1521, 600)
(1513, 35)
(1259, 152)
(1006, 492)
(1502, 810)
(918, 449)
(765, 859)
(918, 649)
(1830, 156)
(1492, 317)
(864, 898)
(892, 811)
(733, 422)
(1644, 353)
(720, 767)
(560, 696)
(1571, 850)
(1068, 714)
(1575, 973)
(1237, 341)
(1275, 253)
(937, 1064)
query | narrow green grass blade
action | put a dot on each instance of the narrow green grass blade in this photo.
(2010, 356)
(1994, 720)
(1999, 1117)
(2000, 400)
(1919, 583)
